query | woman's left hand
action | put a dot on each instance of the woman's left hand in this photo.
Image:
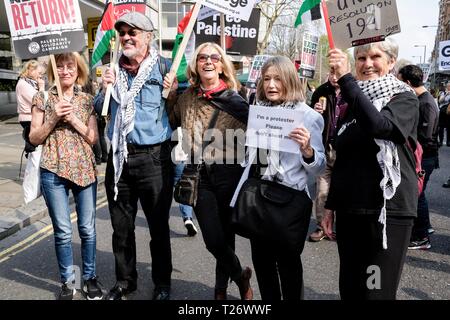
(338, 62)
(302, 136)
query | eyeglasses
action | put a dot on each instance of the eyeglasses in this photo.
(215, 58)
(130, 32)
(70, 69)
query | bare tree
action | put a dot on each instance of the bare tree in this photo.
(271, 10)
(283, 40)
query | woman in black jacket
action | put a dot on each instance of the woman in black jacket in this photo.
(373, 189)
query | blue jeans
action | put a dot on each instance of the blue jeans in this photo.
(186, 211)
(56, 194)
(422, 222)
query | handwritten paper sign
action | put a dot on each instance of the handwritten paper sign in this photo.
(355, 23)
(269, 128)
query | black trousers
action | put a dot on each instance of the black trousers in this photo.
(281, 265)
(147, 177)
(367, 271)
(213, 212)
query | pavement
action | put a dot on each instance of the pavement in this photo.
(14, 213)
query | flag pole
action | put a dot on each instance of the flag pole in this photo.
(112, 66)
(182, 48)
(222, 33)
(327, 23)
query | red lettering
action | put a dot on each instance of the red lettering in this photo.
(43, 12)
(64, 11)
(25, 15)
(33, 11)
(52, 6)
(16, 17)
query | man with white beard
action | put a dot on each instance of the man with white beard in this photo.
(139, 163)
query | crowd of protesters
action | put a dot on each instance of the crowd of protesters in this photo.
(357, 141)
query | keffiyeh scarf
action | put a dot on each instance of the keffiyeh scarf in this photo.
(124, 122)
(380, 91)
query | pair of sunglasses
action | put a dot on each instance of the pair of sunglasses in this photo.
(215, 58)
(130, 32)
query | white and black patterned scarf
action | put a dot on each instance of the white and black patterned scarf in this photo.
(380, 91)
(31, 82)
(124, 122)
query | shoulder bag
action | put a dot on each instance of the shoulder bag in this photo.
(186, 189)
(269, 210)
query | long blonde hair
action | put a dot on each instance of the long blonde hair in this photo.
(292, 88)
(228, 75)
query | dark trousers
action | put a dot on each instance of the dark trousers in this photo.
(422, 222)
(359, 239)
(213, 212)
(281, 265)
(147, 176)
(276, 266)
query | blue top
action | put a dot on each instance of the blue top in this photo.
(148, 129)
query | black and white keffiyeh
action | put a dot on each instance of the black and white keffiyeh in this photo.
(380, 91)
(124, 122)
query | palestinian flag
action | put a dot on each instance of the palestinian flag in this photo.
(105, 32)
(190, 48)
(309, 10)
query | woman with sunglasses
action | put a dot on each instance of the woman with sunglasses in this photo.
(214, 87)
(66, 127)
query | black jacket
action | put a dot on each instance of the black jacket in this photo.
(328, 91)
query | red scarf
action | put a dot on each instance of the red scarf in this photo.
(124, 63)
(207, 93)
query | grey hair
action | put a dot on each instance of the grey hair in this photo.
(388, 46)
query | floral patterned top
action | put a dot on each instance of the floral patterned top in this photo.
(65, 152)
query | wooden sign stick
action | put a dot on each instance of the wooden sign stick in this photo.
(113, 66)
(184, 42)
(55, 74)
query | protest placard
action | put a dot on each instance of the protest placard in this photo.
(236, 8)
(241, 37)
(255, 71)
(359, 22)
(269, 128)
(44, 27)
(444, 55)
(308, 56)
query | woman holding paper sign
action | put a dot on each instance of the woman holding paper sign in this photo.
(67, 129)
(213, 101)
(373, 189)
(276, 257)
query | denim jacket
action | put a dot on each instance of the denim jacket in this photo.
(151, 123)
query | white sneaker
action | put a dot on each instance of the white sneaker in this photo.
(191, 229)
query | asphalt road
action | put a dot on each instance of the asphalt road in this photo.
(28, 267)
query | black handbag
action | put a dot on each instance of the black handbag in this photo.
(186, 189)
(269, 210)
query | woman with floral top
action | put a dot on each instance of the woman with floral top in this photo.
(66, 127)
